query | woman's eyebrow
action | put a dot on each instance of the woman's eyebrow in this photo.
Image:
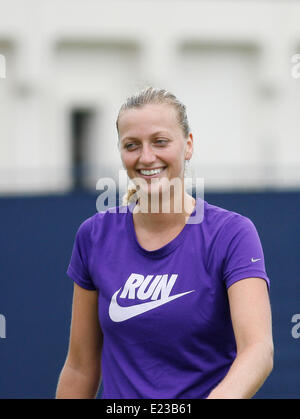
(128, 138)
(160, 133)
(155, 134)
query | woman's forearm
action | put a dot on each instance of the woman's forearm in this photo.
(247, 373)
(77, 384)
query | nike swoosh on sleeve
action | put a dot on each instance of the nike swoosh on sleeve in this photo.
(118, 313)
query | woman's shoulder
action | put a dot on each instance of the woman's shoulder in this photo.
(103, 220)
(231, 233)
(219, 218)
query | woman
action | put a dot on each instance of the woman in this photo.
(173, 309)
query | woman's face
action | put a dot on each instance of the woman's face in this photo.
(151, 139)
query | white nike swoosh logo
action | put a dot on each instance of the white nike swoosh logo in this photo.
(254, 260)
(119, 314)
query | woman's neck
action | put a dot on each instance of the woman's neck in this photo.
(172, 214)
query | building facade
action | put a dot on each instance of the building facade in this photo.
(66, 68)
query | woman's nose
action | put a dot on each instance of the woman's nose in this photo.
(147, 155)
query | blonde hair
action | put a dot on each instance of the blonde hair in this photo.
(147, 96)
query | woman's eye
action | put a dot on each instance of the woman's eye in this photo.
(130, 146)
(161, 142)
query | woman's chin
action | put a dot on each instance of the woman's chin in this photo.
(155, 194)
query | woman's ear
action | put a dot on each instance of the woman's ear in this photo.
(189, 147)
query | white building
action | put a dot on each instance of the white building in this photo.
(67, 66)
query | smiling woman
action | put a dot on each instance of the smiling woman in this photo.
(154, 139)
(164, 308)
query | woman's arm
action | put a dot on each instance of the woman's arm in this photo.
(251, 320)
(81, 374)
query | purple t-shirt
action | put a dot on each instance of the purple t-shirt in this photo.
(164, 313)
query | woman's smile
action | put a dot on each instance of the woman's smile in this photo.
(151, 173)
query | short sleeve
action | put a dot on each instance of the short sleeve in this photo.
(243, 252)
(78, 268)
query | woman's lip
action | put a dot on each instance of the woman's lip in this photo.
(151, 176)
(153, 168)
